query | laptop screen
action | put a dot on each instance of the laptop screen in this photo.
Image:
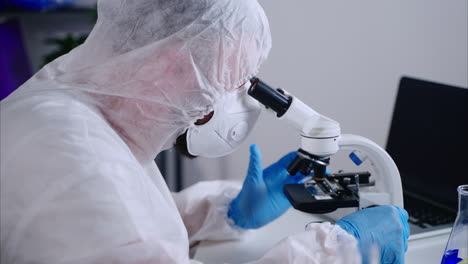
(428, 139)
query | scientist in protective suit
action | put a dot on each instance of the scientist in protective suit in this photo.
(78, 180)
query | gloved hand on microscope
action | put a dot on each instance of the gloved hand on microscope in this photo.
(261, 200)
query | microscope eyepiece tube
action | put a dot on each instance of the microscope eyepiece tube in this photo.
(269, 97)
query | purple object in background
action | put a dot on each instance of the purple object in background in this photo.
(36, 5)
(14, 64)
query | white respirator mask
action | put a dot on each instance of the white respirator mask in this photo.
(234, 116)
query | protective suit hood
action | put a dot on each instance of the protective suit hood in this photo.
(154, 67)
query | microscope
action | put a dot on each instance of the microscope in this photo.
(320, 139)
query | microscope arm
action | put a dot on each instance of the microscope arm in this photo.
(389, 180)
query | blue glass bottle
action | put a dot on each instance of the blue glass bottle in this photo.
(456, 251)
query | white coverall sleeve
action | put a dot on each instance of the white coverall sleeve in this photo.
(204, 207)
(321, 243)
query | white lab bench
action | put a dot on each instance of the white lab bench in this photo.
(422, 248)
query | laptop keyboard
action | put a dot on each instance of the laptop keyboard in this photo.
(424, 214)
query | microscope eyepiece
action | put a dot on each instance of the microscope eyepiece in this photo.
(271, 98)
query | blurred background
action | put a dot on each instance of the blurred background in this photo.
(343, 58)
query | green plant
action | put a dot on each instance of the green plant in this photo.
(67, 43)
(64, 45)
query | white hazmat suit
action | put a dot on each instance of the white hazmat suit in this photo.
(78, 181)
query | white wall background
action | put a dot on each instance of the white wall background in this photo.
(345, 58)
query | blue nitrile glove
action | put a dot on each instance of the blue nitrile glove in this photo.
(385, 226)
(261, 199)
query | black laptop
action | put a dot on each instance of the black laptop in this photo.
(428, 141)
